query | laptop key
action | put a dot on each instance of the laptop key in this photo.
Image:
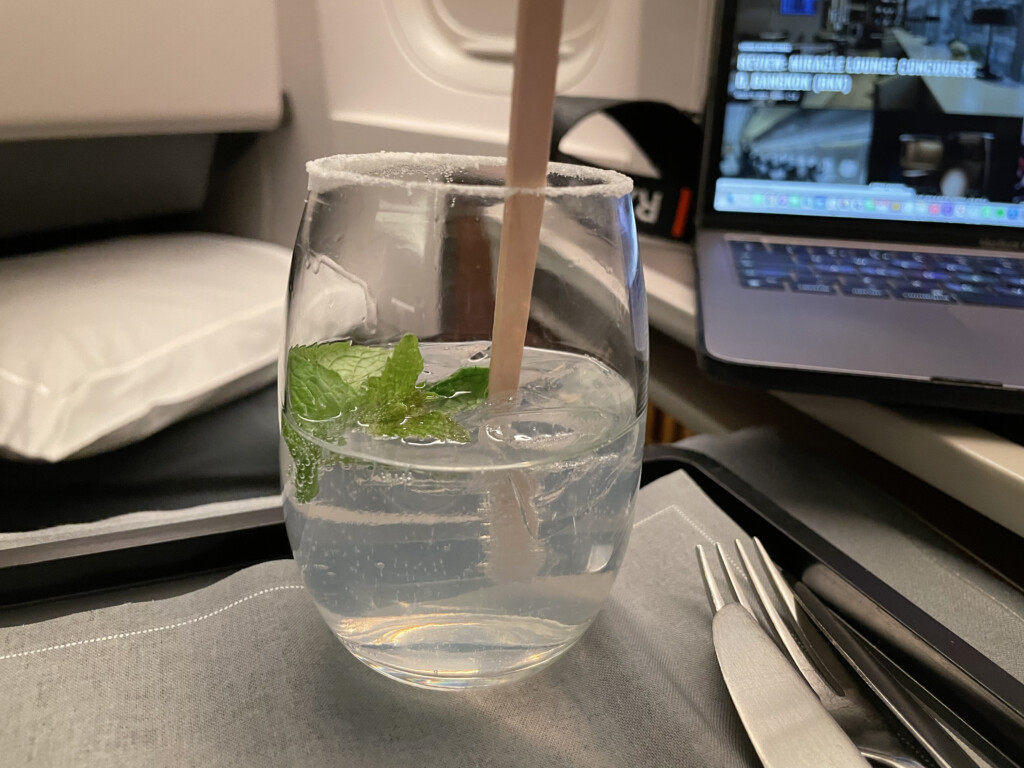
(792, 250)
(881, 272)
(953, 266)
(764, 283)
(819, 287)
(835, 269)
(969, 292)
(765, 260)
(966, 286)
(870, 291)
(824, 278)
(1004, 291)
(878, 282)
(739, 247)
(761, 255)
(814, 259)
(980, 279)
(995, 269)
(864, 260)
(764, 272)
(890, 256)
(993, 299)
(938, 295)
(917, 275)
(960, 277)
(960, 259)
(817, 259)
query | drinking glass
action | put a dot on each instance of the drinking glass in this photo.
(451, 539)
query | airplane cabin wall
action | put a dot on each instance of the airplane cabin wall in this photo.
(354, 82)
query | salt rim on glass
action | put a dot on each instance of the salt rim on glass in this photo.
(394, 169)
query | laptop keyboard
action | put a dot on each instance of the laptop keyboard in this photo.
(943, 278)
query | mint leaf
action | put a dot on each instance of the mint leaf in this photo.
(315, 392)
(393, 396)
(355, 364)
(398, 377)
(466, 388)
(385, 419)
(395, 407)
(325, 352)
(319, 398)
(330, 383)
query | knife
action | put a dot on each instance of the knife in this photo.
(784, 719)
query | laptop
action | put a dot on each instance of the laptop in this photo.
(861, 219)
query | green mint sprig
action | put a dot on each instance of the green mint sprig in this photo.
(336, 386)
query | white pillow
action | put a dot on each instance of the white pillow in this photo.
(106, 343)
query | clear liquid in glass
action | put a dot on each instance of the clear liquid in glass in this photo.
(455, 565)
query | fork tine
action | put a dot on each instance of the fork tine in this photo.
(714, 596)
(781, 632)
(782, 590)
(730, 576)
(776, 628)
(800, 628)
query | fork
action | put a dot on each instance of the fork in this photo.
(854, 715)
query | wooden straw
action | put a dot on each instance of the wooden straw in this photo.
(538, 29)
(515, 552)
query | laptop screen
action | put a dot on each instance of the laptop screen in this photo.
(905, 110)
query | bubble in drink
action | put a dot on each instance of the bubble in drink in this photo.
(447, 565)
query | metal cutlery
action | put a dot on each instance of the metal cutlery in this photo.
(785, 721)
(836, 690)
